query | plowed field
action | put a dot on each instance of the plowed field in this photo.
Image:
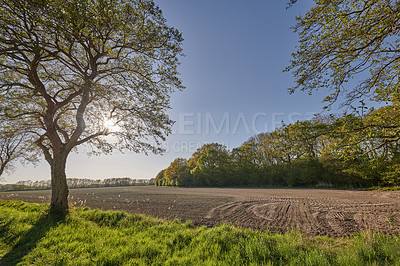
(312, 211)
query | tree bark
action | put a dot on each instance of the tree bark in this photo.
(2, 168)
(59, 187)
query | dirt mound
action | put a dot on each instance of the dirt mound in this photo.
(311, 216)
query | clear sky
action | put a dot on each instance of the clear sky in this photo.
(235, 53)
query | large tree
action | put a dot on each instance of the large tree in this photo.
(341, 40)
(78, 71)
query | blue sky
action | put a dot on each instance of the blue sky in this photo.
(235, 88)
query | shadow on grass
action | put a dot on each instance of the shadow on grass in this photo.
(30, 239)
(5, 227)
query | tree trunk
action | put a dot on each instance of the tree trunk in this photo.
(2, 167)
(59, 187)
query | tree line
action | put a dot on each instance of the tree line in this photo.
(360, 149)
(78, 183)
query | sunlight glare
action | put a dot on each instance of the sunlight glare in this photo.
(111, 126)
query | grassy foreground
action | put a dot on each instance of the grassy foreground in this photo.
(93, 237)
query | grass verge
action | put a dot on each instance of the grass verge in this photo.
(29, 236)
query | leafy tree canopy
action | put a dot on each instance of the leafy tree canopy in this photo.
(340, 40)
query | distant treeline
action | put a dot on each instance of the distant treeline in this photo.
(78, 183)
(326, 152)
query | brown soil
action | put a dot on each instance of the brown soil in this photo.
(312, 211)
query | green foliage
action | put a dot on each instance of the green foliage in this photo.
(29, 236)
(159, 178)
(177, 173)
(212, 165)
(324, 152)
(340, 40)
(68, 68)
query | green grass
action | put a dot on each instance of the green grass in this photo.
(28, 235)
(394, 188)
